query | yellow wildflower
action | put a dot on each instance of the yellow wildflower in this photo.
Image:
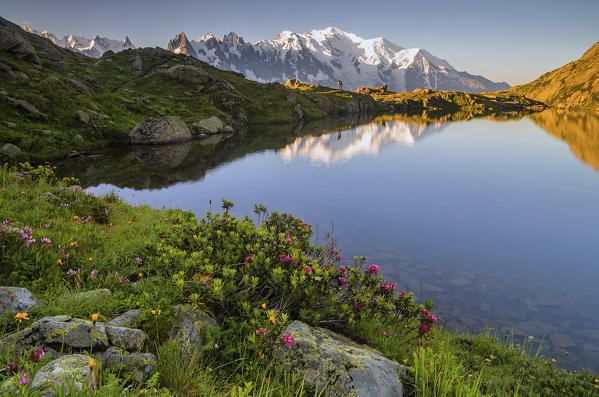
(73, 244)
(264, 305)
(21, 316)
(140, 275)
(94, 317)
(159, 311)
(92, 363)
(75, 217)
(59, 262)
(553, 360)
(596, 380)
(166, 219)
(272, 319)
(153, 311)
(90, 259)
(470, 375)
(195, 236)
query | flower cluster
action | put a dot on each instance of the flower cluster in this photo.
(261, 331)
(386, 287)
(287, 339)
(373, 270)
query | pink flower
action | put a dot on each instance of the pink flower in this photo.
(285, 258)
(338, 258)
(262, 332)
(433, 319)
(274, 243)
(138, 260)
(342, 270)
(24, 380)
(307, 269)
(288, 238)
(64, 205)
(30, 242)
(93, 274)
(37, 355)
(46, 226)
(386, 288)
(384, 333)
(249, 258)
(12, 369)
(342, 280)
(359, 306)
(28, 230)
(46, 241)
(72, 272)
(423, 328)
(373, 270)
(402, 293)
(287, 339)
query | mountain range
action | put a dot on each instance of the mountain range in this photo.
(330, 55)
(95, 47)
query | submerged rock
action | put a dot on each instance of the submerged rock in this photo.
(324, 356)
(16, 300)
(159, 130)
(72, 369)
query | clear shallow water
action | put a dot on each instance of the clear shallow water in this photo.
(497, 222)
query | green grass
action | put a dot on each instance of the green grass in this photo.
(230, 364)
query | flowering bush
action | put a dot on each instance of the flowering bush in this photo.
(231, 264)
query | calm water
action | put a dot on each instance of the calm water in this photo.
(496, 221)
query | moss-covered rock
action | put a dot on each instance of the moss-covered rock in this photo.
(16, 300)
(67, 370)
(134, 365)
(325, 357)
(187, 329)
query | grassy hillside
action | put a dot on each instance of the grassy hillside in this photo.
(44, 89)
(573, 86)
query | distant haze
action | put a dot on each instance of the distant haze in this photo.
(512, 41)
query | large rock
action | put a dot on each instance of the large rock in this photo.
(324, 356)
(83, 117)
(72, 332)
(13, 150)
(187, 328)
(136, 365)
(32, 110)
(72, 369)
(189, 73)
(15, 299)
(158, 130)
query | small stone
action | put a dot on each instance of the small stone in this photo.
(126, 319)
(16, 300)
(82, 116)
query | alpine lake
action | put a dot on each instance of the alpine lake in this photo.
(496, 219)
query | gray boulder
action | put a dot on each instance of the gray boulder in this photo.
(73, 368)
(211, 125)
(15, 299)
(33, 111)
(187, 328)
(126, 319)
(324, 356)
(159, 130)
(72, 332)
(13, 150)
(138, 365)
(126, 338)
(10, 124)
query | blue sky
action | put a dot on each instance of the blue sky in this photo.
(513, 41)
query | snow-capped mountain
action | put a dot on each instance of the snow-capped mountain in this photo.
(328, 55)
(91, 47)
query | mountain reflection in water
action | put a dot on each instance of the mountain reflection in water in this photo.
(367, 139)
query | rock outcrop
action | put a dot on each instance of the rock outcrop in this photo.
(324, 356)
(160, 130)
(187, 328)
(72, 369)
(211, 125)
